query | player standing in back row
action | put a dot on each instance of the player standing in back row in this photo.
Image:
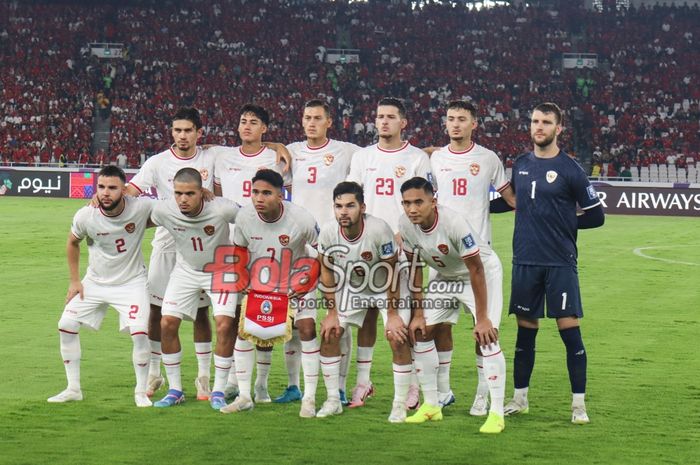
(381, 169)
(548, 187)
(464, 173)
(320, 164)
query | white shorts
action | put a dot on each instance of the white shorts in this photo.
(160, 267)
(444, 304)
(183, 295)
(130, 300)
(305, 307)
(352, 308)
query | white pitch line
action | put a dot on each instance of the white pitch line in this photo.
(638, 251)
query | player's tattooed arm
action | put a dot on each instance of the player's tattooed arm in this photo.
(75, 287)
(217, 190)
(282, 154)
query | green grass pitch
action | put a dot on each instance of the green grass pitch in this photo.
(641, 332)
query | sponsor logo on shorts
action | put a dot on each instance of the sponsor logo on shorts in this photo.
(266, 307)
(468, 241)
(284, 240)
(443, 249)
(474, 169)
(328, 159)
(399, 171)
(209, 230)
(551, 176)
(367, 256)
(131, 227)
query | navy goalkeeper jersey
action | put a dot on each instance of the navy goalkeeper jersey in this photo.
(547, 191)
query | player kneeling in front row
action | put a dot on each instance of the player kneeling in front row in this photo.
(360, 249)
(446, 242)
(198, 228)
(116, 276)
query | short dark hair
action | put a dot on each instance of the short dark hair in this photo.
(258, 111)
(463, 105)
(315, 103)
(349, 187)
(550, 107)
(418, 183)
(189, 114)
(188, 175)
(394, 102)
(111, 171)
(269, 176)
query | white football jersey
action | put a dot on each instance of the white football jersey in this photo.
(315, 173)
(382, 172)
(235, 169)
(292, 230)
(375, 243)
(196, 237)
(445, 244)
(114, 242)
(463, 180)
(159, 171)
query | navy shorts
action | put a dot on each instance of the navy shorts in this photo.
(531, 283)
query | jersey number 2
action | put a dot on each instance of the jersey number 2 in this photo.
(121, 245)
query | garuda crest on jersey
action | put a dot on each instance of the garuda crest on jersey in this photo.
(205, 174)
(551, 176)
(131, 227)
(284, 240)
(443, 249)
(209, 230)
(399, 171)
(328, 159)
(366, 256)
(474, 169)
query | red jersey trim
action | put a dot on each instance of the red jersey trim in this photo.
(435, 223)
(473, 254)
(276, 219)
(183, 158)
(136, 187)
(251, 155)
(328, 141)
(503, 187)
(469, 149)
(405, 144)
(359, 236)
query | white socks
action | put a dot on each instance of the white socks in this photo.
(364, 364)
(330, 366)
(310, 356)
(427, 363)
(264, 359)
(244, 354)
(443, 380)
(203, 352)
(70, 351)
(292, 358)
(482, 388)
(222, 367)
(172, 370)
(495, 373)
(402, 380)
(345, 357)
(156, 355)
(140, 356)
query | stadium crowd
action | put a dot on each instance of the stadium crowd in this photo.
(640, 106)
